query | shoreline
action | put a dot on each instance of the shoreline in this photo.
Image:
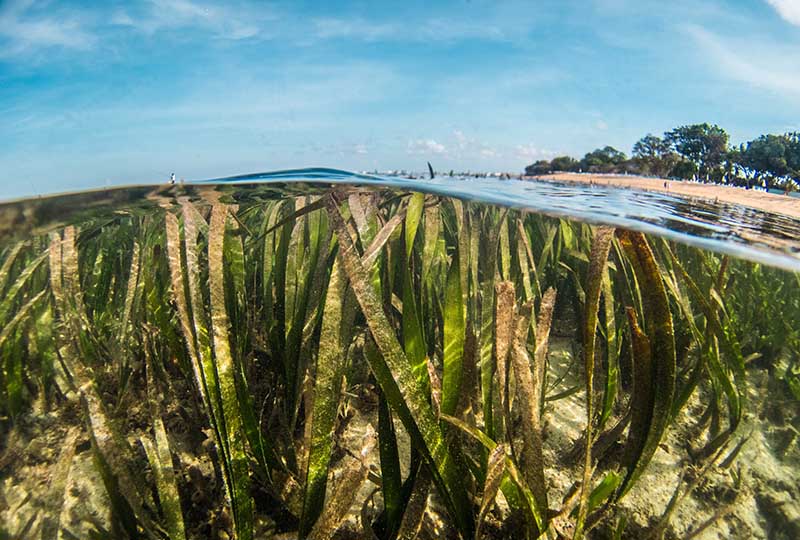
(760, 200)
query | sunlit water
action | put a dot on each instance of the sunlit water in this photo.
(159, 348)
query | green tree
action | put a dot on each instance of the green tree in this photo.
(773, 158)
(540, 167)
(603, 160)
(654, 155)
(734, 171)
(704, 145)
(793, 157)
(564, 163)
(684, 169)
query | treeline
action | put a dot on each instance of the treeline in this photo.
(699, 151)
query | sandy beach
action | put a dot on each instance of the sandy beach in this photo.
(769, 202)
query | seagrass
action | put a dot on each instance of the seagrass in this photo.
(254, 343)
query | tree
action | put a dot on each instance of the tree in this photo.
(540, 167)
(684, 169)
(564, 163)
(773, 158)
(654, 155)
(735, 173)
(689, 151)
(793, 156)
(703, 144)
(603, 160)
(650, 146)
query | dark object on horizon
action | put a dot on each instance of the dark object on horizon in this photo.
(430, 169)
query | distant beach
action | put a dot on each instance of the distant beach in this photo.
(761, 200)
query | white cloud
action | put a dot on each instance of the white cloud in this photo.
(601, 125)
(530, 152)
(789, 10)
(28, 29)
(763, 65)
(425, 146)
(461, 139)
(222, 22)
(467, 147)
(333, 28)
(30, 26)
(426, 31)
(185, 9)
(454, 30)
(122, 18)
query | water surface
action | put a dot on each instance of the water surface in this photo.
(736, 230)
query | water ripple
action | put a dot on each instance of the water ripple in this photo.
(727, 228)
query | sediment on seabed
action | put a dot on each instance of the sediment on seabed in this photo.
(373, 363)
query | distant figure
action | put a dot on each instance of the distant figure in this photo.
(666, 185)
(172, 178)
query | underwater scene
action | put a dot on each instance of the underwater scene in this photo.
(336, 358)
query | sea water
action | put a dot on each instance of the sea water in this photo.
(320, 354)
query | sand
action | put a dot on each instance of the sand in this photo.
(768, 202)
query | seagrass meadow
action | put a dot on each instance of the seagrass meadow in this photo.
(246, 362)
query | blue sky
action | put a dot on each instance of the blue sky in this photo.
(131, 91)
